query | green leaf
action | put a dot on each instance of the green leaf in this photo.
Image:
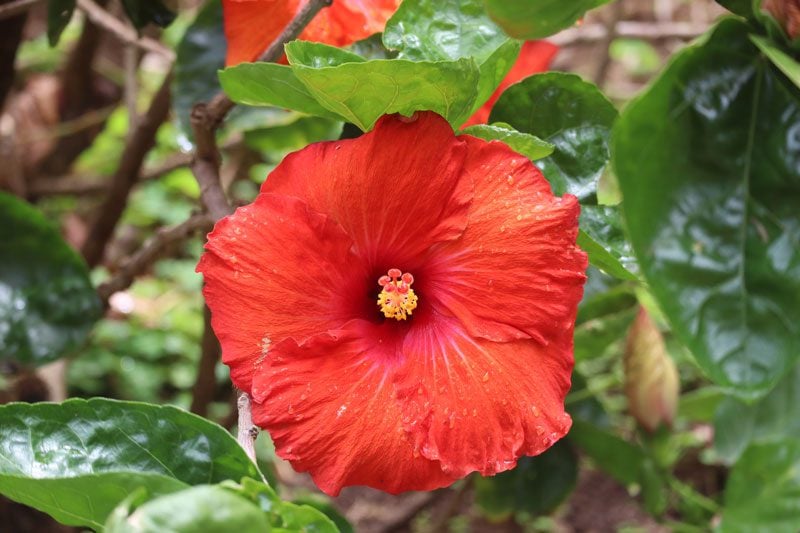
(763, 491)
(199, 55)
(743, 8)
(573, 115)
(601, 236)
(593, 337)
(537, 485)
(523, 143)
(360, 93)
(318, 55)
(59, 13)
(776, 416)
(710, 200)
(270, 84)
(77, 460)
(279, 140)
(47, 302)
(141, 13)
(203, 509)
(436, 30)
(524, 19)
(700, 405)
(619, 458)
(287, 516)
(325, 506)
(786, 63)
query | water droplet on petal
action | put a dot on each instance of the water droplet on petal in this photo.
(485, 377)
(535, 411)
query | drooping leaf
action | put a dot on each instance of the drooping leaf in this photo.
(270, 84)
(143, 12)
(762, 494)
(573, 115)
(199, 55)
(77, 460)
(203, 509)
(440, 30)
(537, 485)
(524, 143)
(710, 198)
(47, 302)
(776, 416)
(786, 63)
(59, 13)
(602, 237)
(524, 19)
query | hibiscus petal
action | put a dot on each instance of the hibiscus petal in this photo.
(516, 271)
(329, 406)
(396, 190)
(275, 269)
(252, 25)
(477, 405)
(348, 21)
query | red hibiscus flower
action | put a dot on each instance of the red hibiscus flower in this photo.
(534, 57)
(400, 306)
(252, 25)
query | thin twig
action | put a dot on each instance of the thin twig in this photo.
(152, 250)
(16, 8)
(640, 30)
(205, 386)
(130, 60)
(127, 173)
(124, 33)
(206, 118)
(614, 15)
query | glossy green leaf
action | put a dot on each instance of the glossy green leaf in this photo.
(743, 8)
(360, 93)
(284, 516)
(270, 84)
(523, 143)
(143, 12)
(762, 494)
(537, 485)
(776, 416)
(619, 458)
(203, 509)
(59, 13)
(710, 198)
(526, 19)
(436, 30)
(199, 55)
(573, 115)
(77, 460)
(603, 239)
(47, 302)
(325, 506)
(786, 63)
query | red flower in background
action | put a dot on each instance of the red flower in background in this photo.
(252, 25)
(400, 306)
(534, 57)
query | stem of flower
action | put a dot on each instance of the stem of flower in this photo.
(206, 117)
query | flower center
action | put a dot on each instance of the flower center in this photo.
(397, 299)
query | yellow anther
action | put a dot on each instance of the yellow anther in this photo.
(397, 299)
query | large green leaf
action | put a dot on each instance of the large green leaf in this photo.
(435, 30)
(361, 92)
(199, 55)
(77, 460)
(47, 303)
(763, 491)
(537, 485)
(619, 458)
(776, 416)
(59, 13)
(270, 84)
(142, 13)
(570, 113)
(708, 161)
(526, 19)
(203, 509)
(524, 143)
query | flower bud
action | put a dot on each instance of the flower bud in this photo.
(787, 13)
(651, 379)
